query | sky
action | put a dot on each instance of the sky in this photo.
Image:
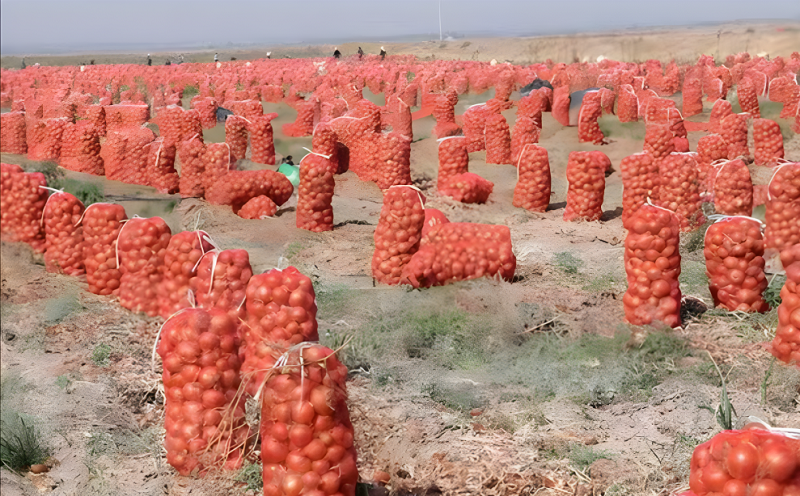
(57, 26)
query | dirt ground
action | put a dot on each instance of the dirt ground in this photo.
(482, 387)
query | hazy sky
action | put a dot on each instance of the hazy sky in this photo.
(29, 26)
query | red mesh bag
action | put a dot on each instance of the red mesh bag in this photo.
(786, 344)
(271, 93)
(658, 140)
(324, 141)
(458, 251)
(607, 99)
(433, 219)
(204, 414)
(141, 247)
(181, 258)
(12, 133)
(80, 149)
(101, 225)
(710, 149)
(498, 140)
(259, 207)
(652, 266)
(161, 172)
(122, 116)
(748, 98)
(561, 101)
(306, 434)
(734, 129)
(63, 234)
(304, 123)
(466, 188)
(680, 191)
(753, 462)
(474, 123)
(398, 233)
(315, 194)
(237, 187)
(453, 158)
(721, 109)
(783, 208)
(692, 96)
(401, 122)
(640, 181)
(262, 146)
(190, 154)
(532, 191)
(792, 102)
(8, 179)
(24, 198)
(94, 114)
(734, 252)
(526, 132)
(733, 189)
(390, 155)
(281, 312)
(767, 141)
(445, 115)
(532, 106)
(236, 136)
(125, 155)
(588, 128)
(249, 109)
(221, 281)
(207, 110)
(586, 173)
(627, 104)
(176, 124)
(217, 162)
(47, 139)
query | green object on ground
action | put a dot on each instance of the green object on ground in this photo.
(292, 172)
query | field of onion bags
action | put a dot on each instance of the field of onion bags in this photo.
(590, 289)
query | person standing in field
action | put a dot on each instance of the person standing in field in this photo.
(269, 55)
(149, 60)
(216, 58)
(383, 54)
(360, 52)
(336, 53)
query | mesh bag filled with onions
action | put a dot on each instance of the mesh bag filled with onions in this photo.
(237, 187)
(561, 102)
(658, 140)
(748, 98)
(258, 207)
(207, 109)
(466, 188)
(190, 154)
(433, 219)
(640, 181)
(217, 162)
(457, 251)
(526, 132)
(236, 136)
(783, 207)
(204, 412)
(12, 133)
(281, 312)
(390, 155)
(161, 172)
(734, 253)
(221, 281)
(733, 129)
(710, 149)
(122, 116)
(80, 149)
(692, 96)
(627, 104)
(453, 158)
(498, 140)
(125, 153)
(304, 123)
(767, 141)
(756, 461)
(680, 191)
(181, 258)
(398, 232)
(306, 434)
(325, 142)
(586, 173)
(24, 198)
(733, 188)
(786, 344)
(63, 234)
(101, 224)
(721, 110)
(444, 114)
(588, 128)
(474, 123)
(262, 145)
(315, 194)
(532, 191)
(49, 146)
(652, 267)
(141, 246)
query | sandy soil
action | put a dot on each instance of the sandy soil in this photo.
(539, 389)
